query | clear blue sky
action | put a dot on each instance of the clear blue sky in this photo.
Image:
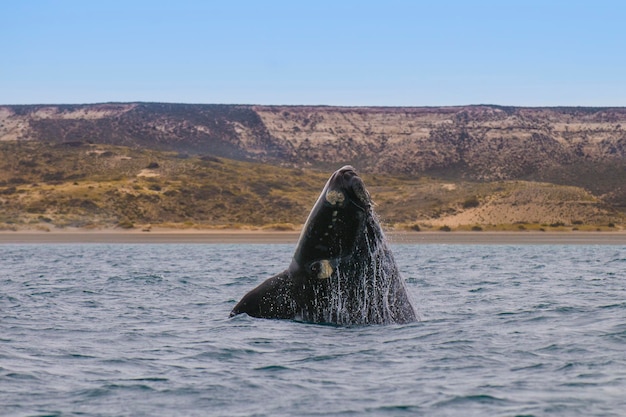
(386, 52)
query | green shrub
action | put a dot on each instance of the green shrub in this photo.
(126, 224)
(471, 203)
(8, 191)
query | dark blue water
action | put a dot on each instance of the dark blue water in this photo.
(143, 330)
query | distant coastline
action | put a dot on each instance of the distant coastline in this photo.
(461, 168)
(291, 237)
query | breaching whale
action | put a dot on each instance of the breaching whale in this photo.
(342, 271)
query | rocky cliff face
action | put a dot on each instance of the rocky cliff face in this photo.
(229, 131)
(450, 166)
(567, 145)
(481, 142)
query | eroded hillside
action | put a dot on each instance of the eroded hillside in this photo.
(74, 184)
(475, 142)
(437, 157)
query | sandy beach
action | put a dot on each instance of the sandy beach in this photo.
(291, 237)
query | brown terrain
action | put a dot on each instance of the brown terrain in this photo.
(469, 167)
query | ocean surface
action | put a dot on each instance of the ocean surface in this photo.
(143, 330)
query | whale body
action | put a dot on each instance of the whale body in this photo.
(342, 271)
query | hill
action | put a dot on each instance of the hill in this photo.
(252, 166)
(46, 186)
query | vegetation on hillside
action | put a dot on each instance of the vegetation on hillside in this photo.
(86, 185)
(463, 145)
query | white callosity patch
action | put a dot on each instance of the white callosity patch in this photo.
(335, 197)
(325, 269)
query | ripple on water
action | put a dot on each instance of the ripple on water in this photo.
(144, 330)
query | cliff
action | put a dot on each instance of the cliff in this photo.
(583, 148)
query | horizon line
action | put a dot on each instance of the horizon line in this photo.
(317, 105)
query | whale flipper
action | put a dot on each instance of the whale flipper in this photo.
(272, 299)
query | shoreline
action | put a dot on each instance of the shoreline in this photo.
(291, 237)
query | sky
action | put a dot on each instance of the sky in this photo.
(319, 52)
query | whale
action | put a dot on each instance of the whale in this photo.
(342, 271)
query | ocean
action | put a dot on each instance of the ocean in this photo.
(144, 330)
